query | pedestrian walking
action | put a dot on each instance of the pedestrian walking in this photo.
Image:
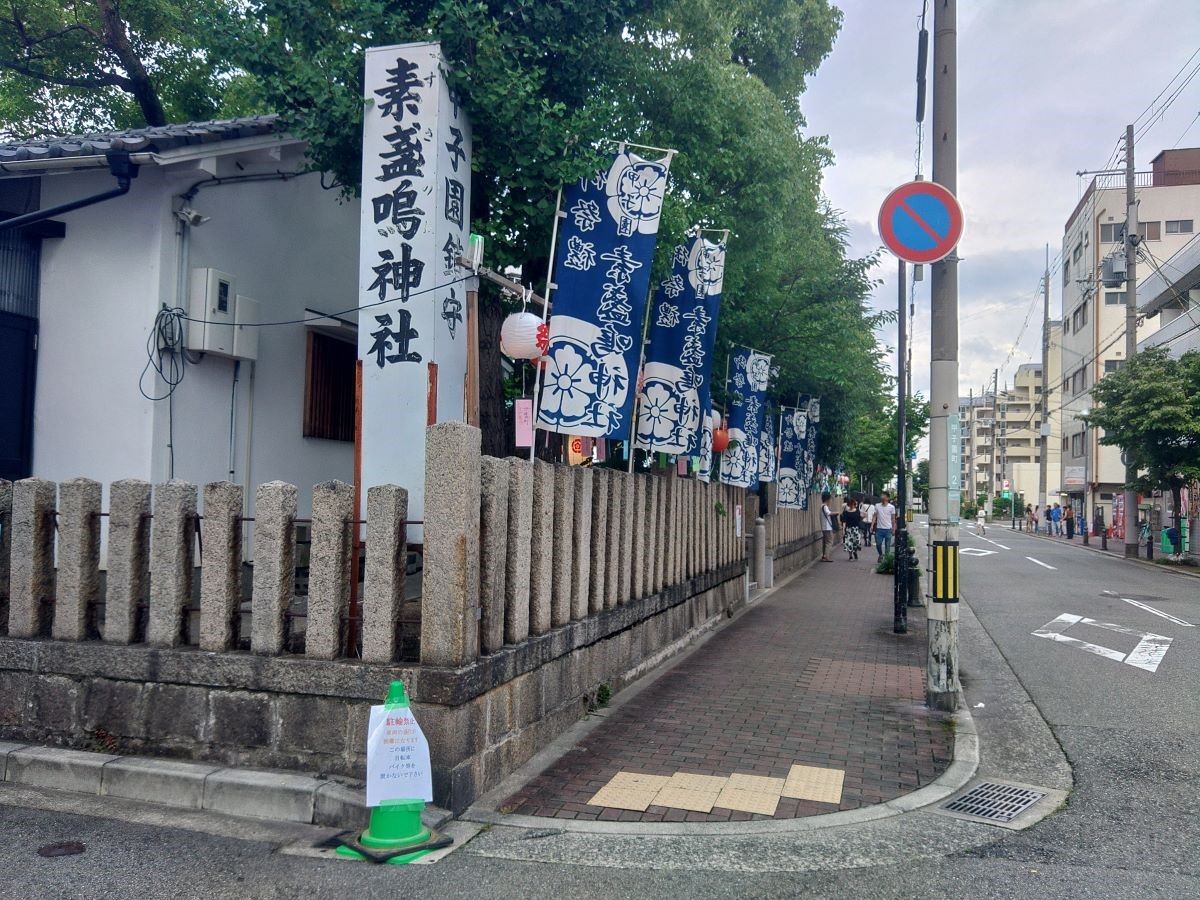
(867, 511)
(1069, 521)
(852, 529)
(981, 520)
(826, 529)
(1056, 520)
(885, 521)
(1030, 518)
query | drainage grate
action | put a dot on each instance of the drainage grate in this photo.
(994, 802)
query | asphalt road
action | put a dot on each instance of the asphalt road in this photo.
(1131, 827)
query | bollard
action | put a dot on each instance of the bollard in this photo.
(900, 583)
(760, 553)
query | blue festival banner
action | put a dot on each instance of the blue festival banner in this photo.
(749, 377)
(681, 333)
(793, 429)
(606, 239)
(766, 444)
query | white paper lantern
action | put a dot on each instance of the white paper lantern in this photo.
(519, 336)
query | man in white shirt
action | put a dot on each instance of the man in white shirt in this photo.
(884, 518)
(826, 529)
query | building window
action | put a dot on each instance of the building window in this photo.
(1113, 233)
(329, 388)
(1066, 272)
(1179, 226)
(1079, 318)
(1150, 231)
(1077, 444)
(1079, 381)
(1078, 254)
(1111, 365)
(1114, 298)
(1066, 442)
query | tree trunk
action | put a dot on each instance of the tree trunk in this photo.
(493, 417)
(116, 38)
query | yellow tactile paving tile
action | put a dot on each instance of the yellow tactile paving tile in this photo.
(629, 790)
(695, 793)
(812, 783)
(756, 784)
(747, 801)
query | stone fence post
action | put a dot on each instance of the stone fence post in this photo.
(32, 551)
(450, 585)
(221, 572)
(274, 564)
(329, 568)
(494, 551)
(78, 557)
(128, 558)
(172, 558)
(387, 568)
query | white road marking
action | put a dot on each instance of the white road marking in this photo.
(1146, 655)
(976, 551)
(990, 541)
(1158, 612)
(1040, 563)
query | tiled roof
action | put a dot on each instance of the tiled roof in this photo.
(140, 140)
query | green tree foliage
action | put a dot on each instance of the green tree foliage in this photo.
(921, 482)
(1150, 408)
(68, 66)
(545, 83)
(874, 440)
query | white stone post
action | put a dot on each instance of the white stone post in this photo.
(597, 592)
(5, 545)
(627, 531)
(636, 522)
(613, 561)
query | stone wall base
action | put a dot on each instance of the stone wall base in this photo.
(483, 721)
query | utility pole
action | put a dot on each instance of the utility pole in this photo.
(1044, 429)
(1131, 239)
(942, 682)
(900, 554)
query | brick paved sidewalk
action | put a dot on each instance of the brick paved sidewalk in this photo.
(808, 688)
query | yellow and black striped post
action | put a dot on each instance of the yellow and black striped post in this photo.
(944, 583)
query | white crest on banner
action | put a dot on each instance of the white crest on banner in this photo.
(758, 371)
(414, 222)
(636, 189)
(579, 388)
(739, 463)
(706, 267)
(706, 448)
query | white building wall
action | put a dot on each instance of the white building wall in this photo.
(289, 244)
(99, 292)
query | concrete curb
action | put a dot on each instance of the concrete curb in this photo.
(961, 771)
(246, 793)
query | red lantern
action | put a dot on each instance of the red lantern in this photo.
(720, 439)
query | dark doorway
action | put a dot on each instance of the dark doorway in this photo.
(19, 264)
(18, 365)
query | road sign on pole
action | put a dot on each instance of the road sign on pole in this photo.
(921, 222)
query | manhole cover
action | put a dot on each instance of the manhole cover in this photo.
(993, 802)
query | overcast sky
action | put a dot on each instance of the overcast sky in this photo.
(1043, 92)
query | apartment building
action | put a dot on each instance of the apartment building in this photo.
(1093, 324)
(977, 421)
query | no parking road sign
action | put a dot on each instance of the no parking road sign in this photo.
(921, 222)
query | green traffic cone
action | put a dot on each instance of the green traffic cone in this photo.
(395, 824)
